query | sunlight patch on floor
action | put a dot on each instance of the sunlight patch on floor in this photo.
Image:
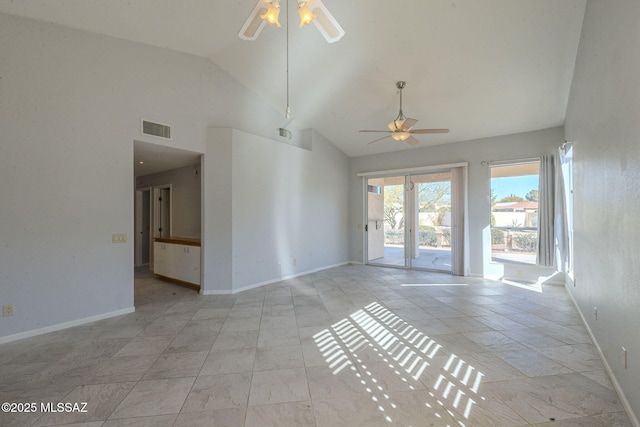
(427, 285)
(535, 287)
(407, 353)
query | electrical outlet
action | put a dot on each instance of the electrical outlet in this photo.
(294, 261)
(279, 267)
(7, 310)
(595, 312)
(624, 357)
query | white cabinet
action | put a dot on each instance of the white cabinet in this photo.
(187, 263)
(163, 259)
(177, 261)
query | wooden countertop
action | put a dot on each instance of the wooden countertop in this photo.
(178, 240)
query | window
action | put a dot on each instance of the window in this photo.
(514, 212)
(566, 160)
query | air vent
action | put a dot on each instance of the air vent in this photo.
(156, 129)
(285, 133)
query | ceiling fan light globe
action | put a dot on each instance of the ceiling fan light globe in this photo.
(306, 16)
(400, 136)
(272, 15)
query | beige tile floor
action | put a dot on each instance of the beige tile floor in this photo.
(350, 346)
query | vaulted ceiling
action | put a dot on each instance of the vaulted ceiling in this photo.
(478, 67)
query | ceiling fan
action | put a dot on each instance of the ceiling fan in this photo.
(401, 128)
(268, 11)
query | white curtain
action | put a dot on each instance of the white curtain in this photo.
(459, 232)
(546, 211)
(563, 244)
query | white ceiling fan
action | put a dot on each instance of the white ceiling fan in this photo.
(400, 129)
(267, 11)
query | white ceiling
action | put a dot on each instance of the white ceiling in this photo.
(152, 158)
(478, 67)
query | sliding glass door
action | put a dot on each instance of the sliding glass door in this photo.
(431, 234)
(409, 221)
(386, 221)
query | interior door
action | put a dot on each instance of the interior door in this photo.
(145, 232)
(142, 227)
(162, 211)
(139, 214)
(137, 229)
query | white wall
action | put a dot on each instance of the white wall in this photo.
(507, 147)
(185, 198)
(70, 110)
(287, 207)
(217, 213)
(602, 121)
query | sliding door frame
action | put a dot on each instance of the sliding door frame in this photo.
(407, 220)
(408, 172)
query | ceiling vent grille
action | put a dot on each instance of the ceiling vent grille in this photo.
(156, 129)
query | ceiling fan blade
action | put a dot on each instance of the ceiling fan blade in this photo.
(367, 130)
(254, 23)
(429, 131)
(325, 22)
(411, 141)
(379, 139)
(401, 127)
(408, 124)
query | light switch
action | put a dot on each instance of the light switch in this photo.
(119, 238)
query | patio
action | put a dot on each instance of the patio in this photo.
(428, 258)
(440, 259)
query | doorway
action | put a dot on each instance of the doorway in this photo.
(152, 219)
(152, 211)
(167, 200)
(416, 220)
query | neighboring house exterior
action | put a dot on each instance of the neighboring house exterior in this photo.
(515, 214)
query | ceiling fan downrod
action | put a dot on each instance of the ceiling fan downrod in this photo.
(400, 85)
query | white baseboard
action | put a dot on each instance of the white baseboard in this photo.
(65, 325)
(616, 385)
(269, 282)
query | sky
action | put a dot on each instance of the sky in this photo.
(518, 185)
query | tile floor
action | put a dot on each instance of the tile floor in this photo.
(349, 346)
